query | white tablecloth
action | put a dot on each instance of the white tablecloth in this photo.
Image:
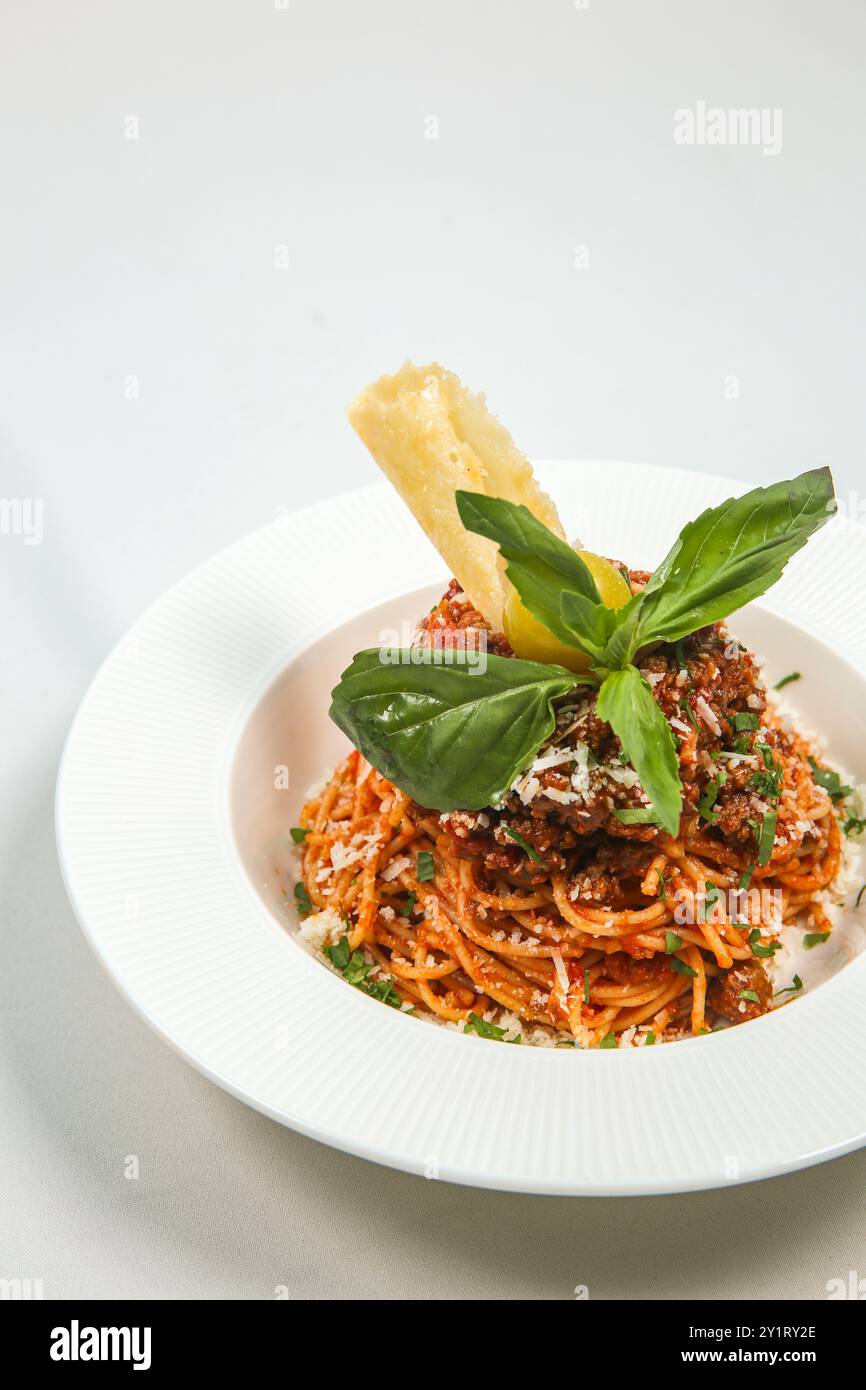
(220, 221)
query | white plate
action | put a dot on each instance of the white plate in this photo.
(172, 833)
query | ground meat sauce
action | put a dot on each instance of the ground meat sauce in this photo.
(729, 993)
(701, 684)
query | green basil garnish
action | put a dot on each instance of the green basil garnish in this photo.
(426, 869)
(302, 899)
(451, 735)
(455, 736)
(627, 704)
(681, 968)
(524, 844)
(540, 566)
(708, 800)
(791, 989)
(636, 815)
(815, 938)
(731, 554)
(476, 1024)
(767, 838)
(830, 781)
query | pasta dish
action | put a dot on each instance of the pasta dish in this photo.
(573, 815)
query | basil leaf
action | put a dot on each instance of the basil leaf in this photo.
(626, 703)
(524, 844)
(540, 565)
(476, 1024)
(452, 735)
(708, 800)
(637, 815)
(425, 870)
(791, 989)
(830, 781)
(591, 627)
(731, 554)
(338, 954)
(768, 838)
(815, 938)
(681, 967)
(302, 899)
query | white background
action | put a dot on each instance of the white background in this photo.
(159, 259)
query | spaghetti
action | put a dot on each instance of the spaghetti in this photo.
(562, 916)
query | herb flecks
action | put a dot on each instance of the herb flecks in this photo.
(529, 850)
(302, 899)
(815, 938)
(425, 870)
(790, 989)
(356, 970)
(476, 1024)
(830, 782)
(708, 800)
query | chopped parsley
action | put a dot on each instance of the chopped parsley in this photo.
(830, 781)
(712, 894)
(689, 712)
(787, 680)
(637, 815)
(476, 1024)
(426, 869)
(854, 825)
(409, 905)
(650, 1038)
(662, 882)
(708, 800)
(339, 955)
(741, 744)
(746, 878)
(749, 994)
(355, 970)
(762, 952)
(524, 844)
(768, 782)
(302, 899)
(767, 837)
(744, 720)
(672, 942)
(791, 989)
(299, 833)
(681, 968)
(586, 986)
(815, 938)
(609, 1040)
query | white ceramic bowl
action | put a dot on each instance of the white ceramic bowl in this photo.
(173, 834)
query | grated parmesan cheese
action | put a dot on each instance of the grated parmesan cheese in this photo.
(322, 929)
(708, 717)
